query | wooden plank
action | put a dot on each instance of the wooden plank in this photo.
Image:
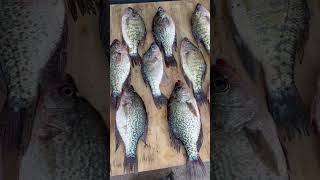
(158, 153)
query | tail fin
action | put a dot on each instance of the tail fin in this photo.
(115, 98)
(170, 61)
(289, 113)
(201, 98)
(130, 164)
(195, 168)
(160, 100)
(135, 59)
(11, 129)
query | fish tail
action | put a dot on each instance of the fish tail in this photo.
(135, 59)
(200, 97)
(11, 125)
(170, 60)
(195, 168)
(130, 164)
(115, 98)
(160, 100)
(289, 113)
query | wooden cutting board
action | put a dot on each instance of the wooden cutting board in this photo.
(159, 153)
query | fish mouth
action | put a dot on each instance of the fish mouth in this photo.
(199, 6)
(160, 9)
(185, 41)
(115, 42)
(179, 83)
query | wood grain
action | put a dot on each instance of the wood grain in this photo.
(158, 153)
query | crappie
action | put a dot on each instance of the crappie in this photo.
(200, 23)
(185, 127)
(245, 141)
(133, 32)
(194, 69)
(131, 125)
(164, 33)
(69, 138)
(119, 70)
(315, 108)
(270, 35)
(152, 72)
(29, 33)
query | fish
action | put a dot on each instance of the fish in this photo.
(315, 108)
(152, 70)
(131, 125)
(133, 32)
(69, 137)
(200, 24)
(194, 68)
(29, 33)
(119, 70)
(164, 33)
(185, 127)
(270, 35)
(245, 142)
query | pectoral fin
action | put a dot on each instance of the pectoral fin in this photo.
(262, 148)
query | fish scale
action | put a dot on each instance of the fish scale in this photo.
(185, 127)
(194, 68)
(200, 24)
(152, 70)
(119, 69)
(270, 35)
(131, 125)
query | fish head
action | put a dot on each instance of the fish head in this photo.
(117, 46)
(67, 124)
(154, 47)
(126, 96)
(201, 10)
(161, 12)
(181, 91)
(228, 88)
(130, 12)
(186, 45)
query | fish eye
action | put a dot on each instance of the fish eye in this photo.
(220, 85)
(67, 91)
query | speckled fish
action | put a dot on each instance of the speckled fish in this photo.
(152, 70)
(69, 137)
(194, 69)
(119, 70)
(200, 23)
(245, 141)
(185, 127)
(270, 35)
(29, 33)
(315, 108)
(131, 125)
(164, 33)
(133, 32)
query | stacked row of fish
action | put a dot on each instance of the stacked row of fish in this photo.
(183, 112)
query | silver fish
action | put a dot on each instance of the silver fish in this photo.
(131, 125)
(69, 138)
(133, 32)
(164, 33)
(200, 24)
(153, 72)
(270, 34)
(185, 127)
(194, 69)
(29, 33)
(119, 70)
(245, 139)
